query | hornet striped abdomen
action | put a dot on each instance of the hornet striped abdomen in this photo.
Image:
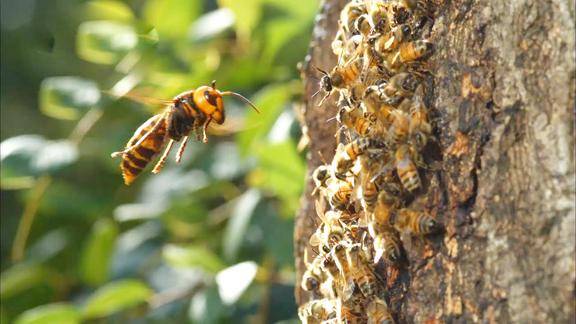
(188, 111)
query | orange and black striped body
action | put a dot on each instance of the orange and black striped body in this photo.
(135, 160)
(400, 128)
(190, 110)
(369, 193)
(416, 222)
(341, 76)
(387, 244)
(406, 169)
(412, 51)
(340, 198)
(378, 312)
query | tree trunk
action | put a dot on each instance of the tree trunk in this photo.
(502, 106)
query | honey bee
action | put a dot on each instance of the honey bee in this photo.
(377, 311)
(340, 77)
(320, 175)
(406, 169)
(416, 222)
(391, 40)
(356, 120)
(314, 275)
(343, 286)
(401, 85)
(350, 14)
(387, 244)
(316, 311)
(188, 111)
(330, 231)
(420, 129)
(400, 128)
(411, 51)
(376, 103)
(347, 154)
(361, 273)
(340, 194)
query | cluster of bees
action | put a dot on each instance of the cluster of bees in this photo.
(365, 195)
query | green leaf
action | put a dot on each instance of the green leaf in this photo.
(68, 97)
(16, 155)
(97, 254)
(192, 256)
(212, 24)
(278, 33)
(105, 42)
(54, 156)
(21, 277)
(116, 296)
(271, 101)
(206, 307)
(304, 11)
(52, 313)
(234, 280)
(247, 15)
(172, 18)
(281, 171)
(235, 231)
(108, 10)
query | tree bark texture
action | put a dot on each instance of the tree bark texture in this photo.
(502, 108)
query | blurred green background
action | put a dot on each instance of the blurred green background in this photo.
(206, 241)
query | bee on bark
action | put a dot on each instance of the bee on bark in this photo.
(387, 245)
(420, 129)
(317, 311)
(314, 275)
(361, 271)
(340, 194)
(416, 222)
(390, 41)
(363, 125)
(347, 154)
(401, 85)
(378, 312)
(188, 111)
(406, 168)
(340, 77)
(320, 176)
(400, 128)
(411, 51)
(331, 230)
(350, 14)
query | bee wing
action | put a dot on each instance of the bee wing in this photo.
(320, 208)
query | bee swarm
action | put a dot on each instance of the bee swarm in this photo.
(366, 197)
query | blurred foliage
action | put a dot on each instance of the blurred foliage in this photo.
(205, 241)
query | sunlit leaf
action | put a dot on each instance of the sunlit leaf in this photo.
(52, 313)
(271, 101)
(247, 14)
(236, 227)
(206, 307)
(211, 24)
(136, 247)
(305, 10)
(105, 42)
(48, 245)
(116, 296)
(278, 34)
(20, 278)
(16, 156)
(171, 17)
(193, 257)
(54, 156)
(108, 10)
(98, 251)
(68, 97)
(281, 171)
(234, 280)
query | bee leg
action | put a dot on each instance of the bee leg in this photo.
(140, 141)
(158, 167)
(181, 149)
(204, 128)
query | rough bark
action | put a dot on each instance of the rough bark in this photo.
(503, 108)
